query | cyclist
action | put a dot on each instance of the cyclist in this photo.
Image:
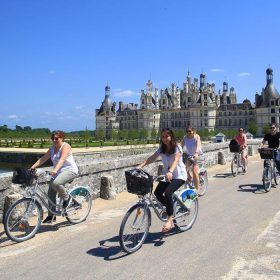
(241, 139)
(174, 170)
(65, 169)
(192, 144)
(272, 139)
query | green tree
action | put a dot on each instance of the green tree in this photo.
(266, 128)
(114, 133)
(100, 134)
(19, 128)
(123, 134)
(133, 134)
(253, 127)
(143, 133)
(179, 134)
(154, 133)
(86, 136)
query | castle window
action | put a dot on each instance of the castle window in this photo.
(272, 111)
(272, 103)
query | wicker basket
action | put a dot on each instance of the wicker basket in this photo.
(138, 181)
(234, 148)
(266, 153)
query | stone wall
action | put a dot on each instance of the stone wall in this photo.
(113, 163)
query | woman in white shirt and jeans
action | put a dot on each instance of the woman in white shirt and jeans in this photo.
(192, 144)
(174, 170)
(65, 169)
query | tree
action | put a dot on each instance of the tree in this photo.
(179, 134)
(266, 128)
(123, 134)
(100, 133)
(114, 133)
(19, 128)
(253, 127)
(133, 134)
(86, 136)
(27, 128)
(143, 133)
(154, 133)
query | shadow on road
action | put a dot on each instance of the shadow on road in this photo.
(222, 175)
(253, 188)
(5, 241)
(110, 251)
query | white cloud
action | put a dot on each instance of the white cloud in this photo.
(55, 114)
(124, 93)
(217, 70)
(13, 117)
(79, 107)
(244, 74)
(65, 118)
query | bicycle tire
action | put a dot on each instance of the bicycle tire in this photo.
(185, 222)
(139, 224)
(203, 181)
(234, 166)
(79, 210)
(266, 179)
(22, 222)
(276, 175)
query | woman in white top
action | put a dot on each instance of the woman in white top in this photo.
(65, 169)
(174, 170)
(192, 144)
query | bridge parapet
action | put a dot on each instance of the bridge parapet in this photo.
(92, 169)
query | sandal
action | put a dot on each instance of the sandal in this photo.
(167, 226)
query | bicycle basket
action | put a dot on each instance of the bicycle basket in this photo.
(138, 181)
(23, 176)
(234, 148)
(266, 153)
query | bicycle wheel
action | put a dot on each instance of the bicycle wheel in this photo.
(276, 175)
(267, 180)
(234, 166)
(186, 216)
(80, 206)
(23, 219)
(135, 227)
(203, 180)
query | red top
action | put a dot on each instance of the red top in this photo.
(241, 139)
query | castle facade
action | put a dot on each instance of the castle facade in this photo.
(196, 104)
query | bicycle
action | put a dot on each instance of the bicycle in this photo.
(23, 218)
(202, 174)
(137, 221)
(236, 161)
(270, 171)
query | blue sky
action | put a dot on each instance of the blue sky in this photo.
(57, 56)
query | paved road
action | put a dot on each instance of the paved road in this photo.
(236, 236)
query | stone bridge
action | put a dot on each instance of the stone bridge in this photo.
(94, 168)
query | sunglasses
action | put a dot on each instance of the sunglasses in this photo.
(189, 131)
(272, 127)
(240, 130)
(55, 138)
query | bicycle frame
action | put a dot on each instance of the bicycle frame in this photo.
(150, 200)
(37, 194)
